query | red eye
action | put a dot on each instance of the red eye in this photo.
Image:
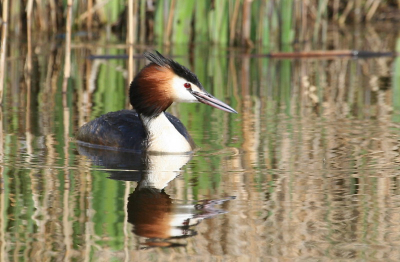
(187, 85)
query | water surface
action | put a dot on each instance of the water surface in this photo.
(307, 171)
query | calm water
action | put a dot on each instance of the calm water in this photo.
(307, 171)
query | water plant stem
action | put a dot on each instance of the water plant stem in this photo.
(3, 46)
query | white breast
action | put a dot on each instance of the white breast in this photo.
(163, 136)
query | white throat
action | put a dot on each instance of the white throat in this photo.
(163, 136)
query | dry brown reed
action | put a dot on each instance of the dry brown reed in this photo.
(168, 29)
(90, 17)
(130, 40)
(246, 25)
(3, 46)
(29, 10)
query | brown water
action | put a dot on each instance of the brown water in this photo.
(307, 171)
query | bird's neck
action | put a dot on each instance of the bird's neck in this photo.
(163, 136)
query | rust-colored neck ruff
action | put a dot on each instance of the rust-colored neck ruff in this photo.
(150, 91)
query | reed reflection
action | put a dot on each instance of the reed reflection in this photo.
(158, 219)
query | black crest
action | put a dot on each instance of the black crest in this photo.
(178, 69)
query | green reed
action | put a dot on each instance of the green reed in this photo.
(182, 22)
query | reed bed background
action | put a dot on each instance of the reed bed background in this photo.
(224, 22)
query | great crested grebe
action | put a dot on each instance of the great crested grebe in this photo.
(150, 128)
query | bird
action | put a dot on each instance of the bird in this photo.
(148, 128)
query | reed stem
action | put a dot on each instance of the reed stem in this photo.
(233, 21)
(90, 16)
(168, 31)
(3, 47)
(28, 64)
(246, 26)
(130, 40)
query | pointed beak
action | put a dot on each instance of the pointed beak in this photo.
(208, 99)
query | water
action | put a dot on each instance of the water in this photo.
(307, 171)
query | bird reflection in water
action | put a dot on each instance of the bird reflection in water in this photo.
(155, 216)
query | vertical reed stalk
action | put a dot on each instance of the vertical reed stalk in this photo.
(28, 64)
(218, 23)
(134, 21)
(67, 60)
(201, 21)
(286, 20)
(3, 48)
(182, 22)
(259, 12)
(159, 21)
(303, 19)
(142, 29)
(130, 40)
(90, 17)
(232, 26)
(168, 31)
(41, 16)
(246, 25)
(53, 15)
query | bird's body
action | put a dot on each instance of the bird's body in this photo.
(125, 130)
(150, 128)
